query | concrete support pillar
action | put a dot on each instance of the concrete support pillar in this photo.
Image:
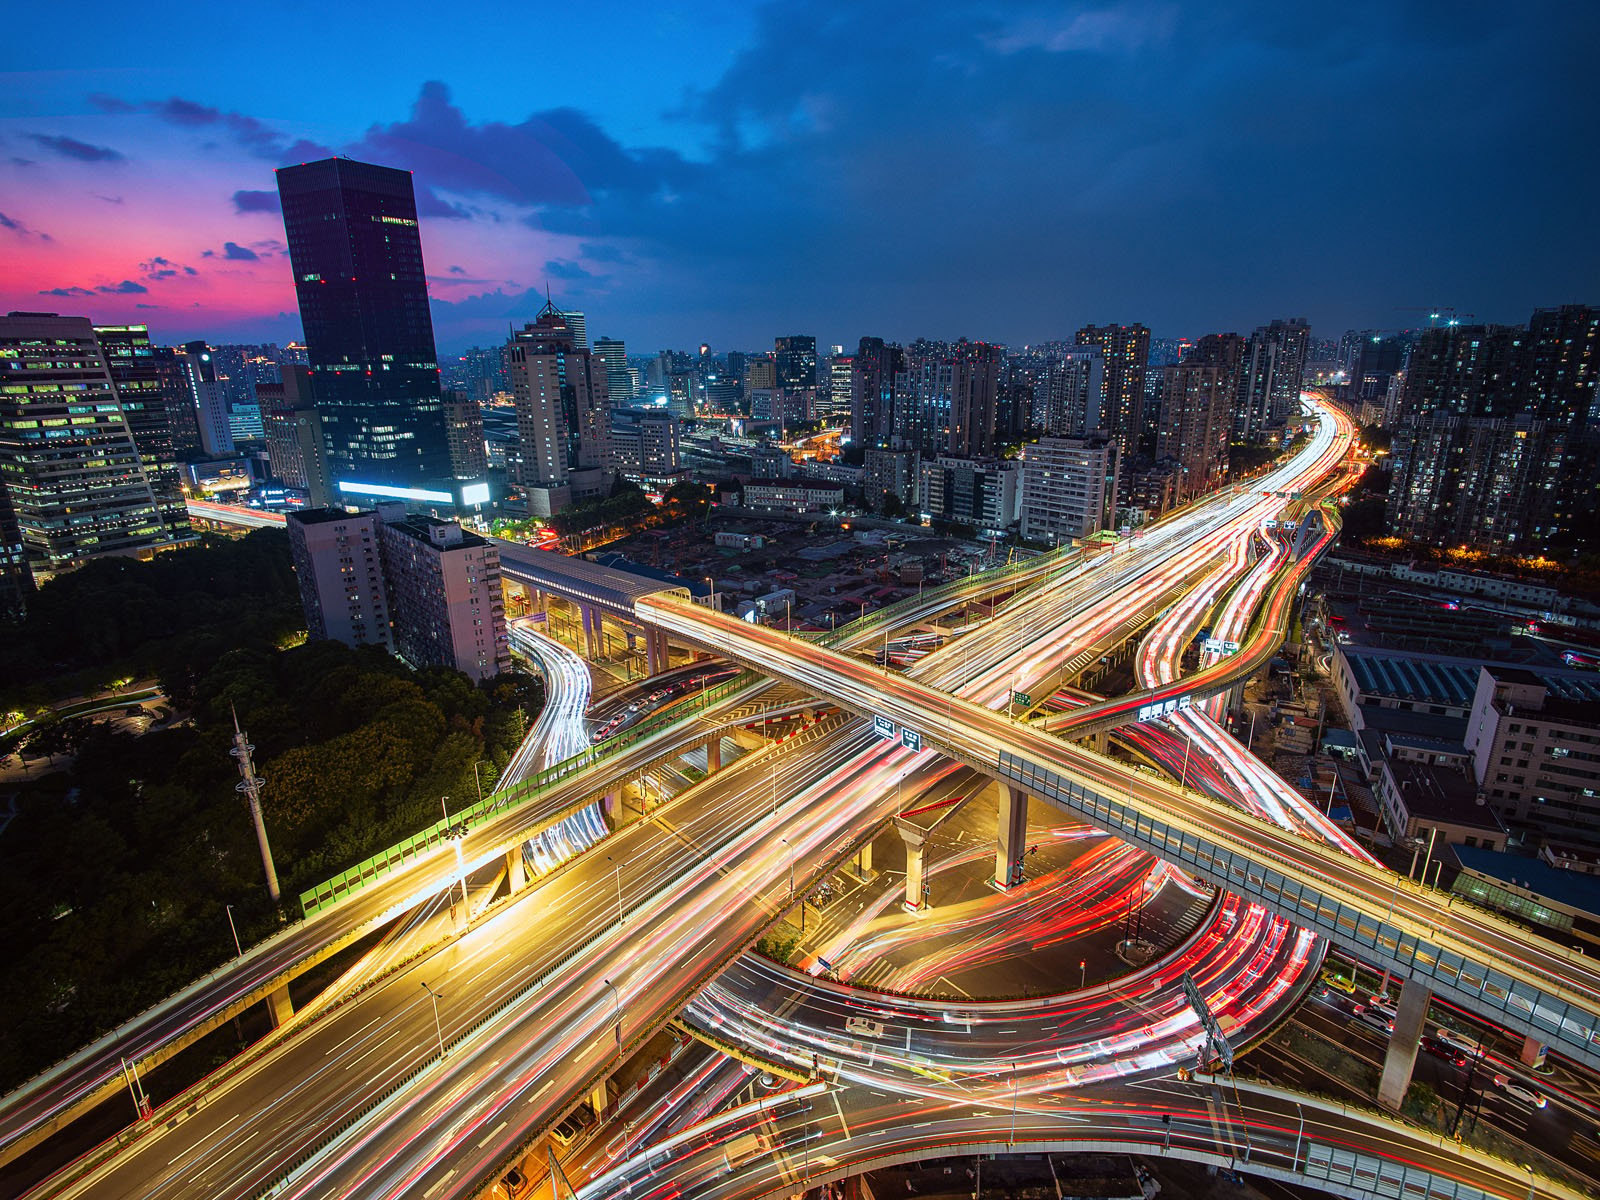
(654, 659)
(591, 631)
(916, 842)
(1402, 1055)
(714, 756)
(864, 860)
(1533, 1052)
(599, 1098)
(516, 870)
(280, 1006)
(1013, 836)
(608, 805)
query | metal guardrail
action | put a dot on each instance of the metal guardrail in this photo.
(345, 884)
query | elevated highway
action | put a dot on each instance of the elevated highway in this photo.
(1468, 957)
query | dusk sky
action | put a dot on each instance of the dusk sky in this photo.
(726, 172)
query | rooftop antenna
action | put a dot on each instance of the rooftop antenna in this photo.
(250, 786)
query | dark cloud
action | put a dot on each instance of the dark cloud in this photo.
(430, 204)
(256, 202)
(558, 268)
(107, 199)
(12, 225)
(72, 148)
(254, 135)
(23, 162)
(458, 270)
(238, 253)
(67, 291)
(126, 288)
(141, 304)
(555, 157)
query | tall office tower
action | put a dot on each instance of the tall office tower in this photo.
(795, 358)
(144, 381)
(358, 273)
(338, 563)
(575, 322)
(872, 394)
(67, 459)
(463, 427)
(1069, 487)
(563, 421)
(1125, 351)
(444, 594)
(1270, 378)
(619, 384)
(1068, 395)
(974, 388)
(1197, 412)
(207, 398)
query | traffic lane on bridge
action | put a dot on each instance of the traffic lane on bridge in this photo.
(27, 1108)
(849, 1128)
(732, 891)
(366, 1046)
(981, 735)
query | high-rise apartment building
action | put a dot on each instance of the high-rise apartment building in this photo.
(1197, 402)
(795, 360)
(891, 473)
(68, 462)
(151, 395)
(1068, 395)
(974, 396)
(873, 371)
(418, 586)
(1125, 352)
(338, 563)
(982, 493)
(1271, 373)
(295, 449)
(1069, 487)
(208, 396)
(644, 444)
(358, 273)
(444, 594)
(619, 384)
(463, 428)
(563, 415)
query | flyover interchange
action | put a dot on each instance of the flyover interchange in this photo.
(584, 1056)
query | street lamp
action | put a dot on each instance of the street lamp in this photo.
(1013, 1139)
(790, 848)
(1294, 1163)
(476, 779)
(437, 1027)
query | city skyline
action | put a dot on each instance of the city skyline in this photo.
(769, 172)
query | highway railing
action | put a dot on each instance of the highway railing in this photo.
(348, 882)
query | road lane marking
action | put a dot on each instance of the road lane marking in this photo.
(834, 1096)
(444, 1180)
(490, 1135)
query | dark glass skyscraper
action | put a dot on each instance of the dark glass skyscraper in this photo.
(358, 273)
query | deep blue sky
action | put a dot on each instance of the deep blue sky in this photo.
(726, 172)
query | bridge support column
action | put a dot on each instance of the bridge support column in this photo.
(599, 1098)
(1533, 1052)
(1013, 836)
(592, 632)
(1402, 1054)
(916, 841)
(714, 756)
(656, 654)
(280, 1006)
(864, 859)
(516, 870)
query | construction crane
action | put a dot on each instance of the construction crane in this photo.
(1450, 316)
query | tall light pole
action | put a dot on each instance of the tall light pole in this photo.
(1013, 1139)
(478, 780)
(1294, 1164)
(250, 785)
(237, 949)
(437, 1027)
